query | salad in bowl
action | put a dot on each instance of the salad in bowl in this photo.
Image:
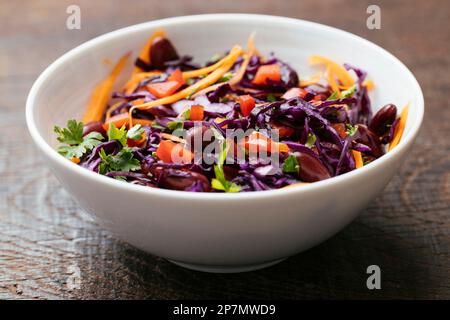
(242, 121)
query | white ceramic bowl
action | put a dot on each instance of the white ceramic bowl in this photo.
(212, 231)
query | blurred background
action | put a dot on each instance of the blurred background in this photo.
(49, 249)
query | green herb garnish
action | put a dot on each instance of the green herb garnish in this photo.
(271, 97)
(227, 76)
(174, 125)
(220, 182)
(75, 144)
(291, 165)
(351, 129)
(310, 140)
(122, 161)
(136, 133)
(349, 92)
(117, 134)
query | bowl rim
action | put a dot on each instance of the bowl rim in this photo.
(168, 193)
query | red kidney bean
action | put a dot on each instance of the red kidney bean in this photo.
(161, 51)
(93, 126)
(370, 139)
(311, 169)
(179, 179)
(383, 119)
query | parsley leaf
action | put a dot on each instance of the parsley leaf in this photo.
(333, 96)
(227, 76)
(186, 114)
(118, 134)
(310, 140)
(75, 144)
(122, 161)
(174, 125)
(136, 133)
(291, 165)
(351, 129)
(73, 134)
(349, 92)
(220, 182)
(271, 97)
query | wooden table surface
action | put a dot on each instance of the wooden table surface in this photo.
(50, 249)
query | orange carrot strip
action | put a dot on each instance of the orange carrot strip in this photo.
(339, 71)
(203, 71)
(102, 93)
(311, 80)
(295, 185)
(122, 119)
(358, 159)
(400, 128)
(237, 77)
(75, 160)
(369, 84)
(203, 83)
(332, 82)
(111, 109)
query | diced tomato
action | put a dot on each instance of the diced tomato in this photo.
(163, 89)
(177, 76)
(340, 128)
(269, 71)
(134, 143)
(257, 142)
(294, 92)
(171, 152)
(197, 113)
(283, 131)
(317, 98)
(247, 103)
(119, 120)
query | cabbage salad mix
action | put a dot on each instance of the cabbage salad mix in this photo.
(240, 122)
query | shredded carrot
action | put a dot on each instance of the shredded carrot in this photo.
(237, 77)
(100, 95)
(111, 109)
(336, 69)
(311, 80)
(298, 184)
(400, 128)
(144, 55)
(369, 84)
(75, 160)
(332, 82)
(204, 71)
(122, 119)
(358, 159)
(203, 83)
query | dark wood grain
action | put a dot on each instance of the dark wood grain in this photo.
(45, 238)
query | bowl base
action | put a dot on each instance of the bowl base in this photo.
(226, 269)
